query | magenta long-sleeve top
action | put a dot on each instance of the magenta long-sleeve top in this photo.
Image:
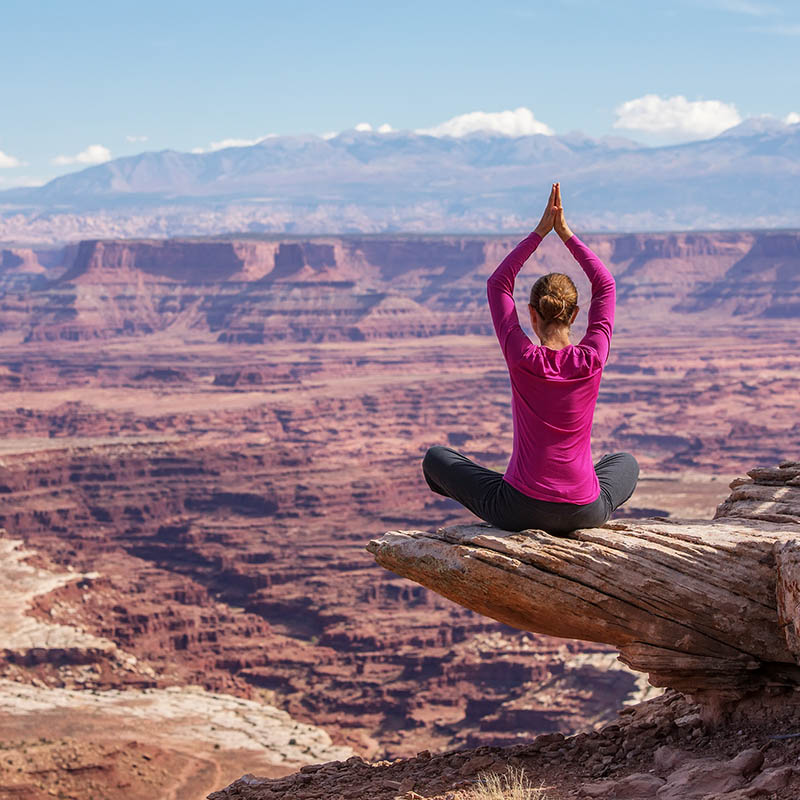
(553, 392)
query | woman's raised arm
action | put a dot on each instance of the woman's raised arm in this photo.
(500, 288)
(604, 292)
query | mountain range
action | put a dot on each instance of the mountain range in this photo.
(365, 181)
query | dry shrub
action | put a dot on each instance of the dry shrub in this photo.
(513, 785)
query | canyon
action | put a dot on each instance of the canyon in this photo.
(199, 437)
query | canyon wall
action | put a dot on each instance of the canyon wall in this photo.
(332, 288)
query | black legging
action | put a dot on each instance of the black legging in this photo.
(484, 492)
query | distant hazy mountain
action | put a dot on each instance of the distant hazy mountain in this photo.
(370, 182)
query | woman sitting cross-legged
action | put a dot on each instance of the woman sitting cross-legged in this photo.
(551, 483)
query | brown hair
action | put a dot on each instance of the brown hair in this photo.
(554, 297)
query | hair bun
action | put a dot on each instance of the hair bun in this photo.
(555, 297)
(551, 307)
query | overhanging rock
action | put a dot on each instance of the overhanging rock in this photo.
(699, 605)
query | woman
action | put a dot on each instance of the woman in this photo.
(550, 483)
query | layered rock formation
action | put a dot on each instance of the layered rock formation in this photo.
(129, 740)
(21, 270)
(769, 494)
(20, 261)
(255, 290)
(213, 483)
(28, 640)
(207, 577)
(707, 607)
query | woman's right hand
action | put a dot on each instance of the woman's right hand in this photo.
(560, 224)
(548, 218)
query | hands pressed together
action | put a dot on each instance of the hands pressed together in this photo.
(553, 217)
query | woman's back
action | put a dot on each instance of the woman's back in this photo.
(554, 392)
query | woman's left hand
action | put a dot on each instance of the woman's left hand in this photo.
(548, 218)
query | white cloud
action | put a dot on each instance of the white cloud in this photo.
(792, 118)
(365, 127)
(8, 162)
(677, 117)
(519, 122)
(790, 30)
(93, 154)
(329, 135)
(134, 139)
(223, 144)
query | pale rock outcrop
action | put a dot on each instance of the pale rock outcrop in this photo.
(175, 716)
(771, 494)
(28, 639)
(708, 607)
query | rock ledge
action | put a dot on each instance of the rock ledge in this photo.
(708, 607)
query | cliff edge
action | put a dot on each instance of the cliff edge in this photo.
(707, 607)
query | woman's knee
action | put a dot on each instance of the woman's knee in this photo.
(439, 457)
(618, 474)
(619, 462)
(631, 465)
(432, 458)
(434, 464)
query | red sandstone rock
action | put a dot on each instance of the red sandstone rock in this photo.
(20, 261)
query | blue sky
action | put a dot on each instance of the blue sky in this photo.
(85, 81)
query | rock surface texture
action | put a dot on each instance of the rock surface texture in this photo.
(708, 607)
